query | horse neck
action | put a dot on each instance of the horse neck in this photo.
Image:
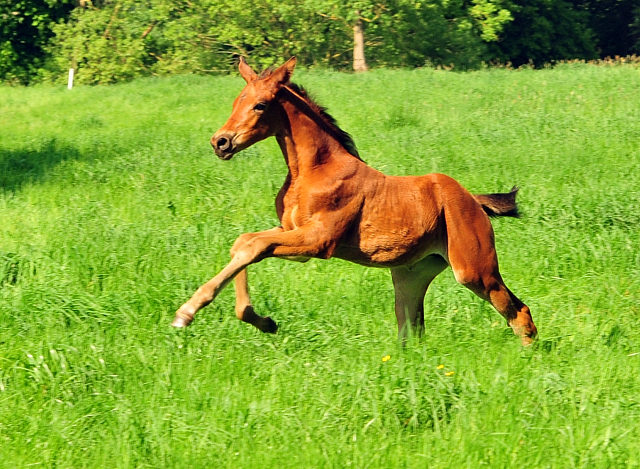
(305, 139)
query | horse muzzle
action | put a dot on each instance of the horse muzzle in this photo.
(223, 145)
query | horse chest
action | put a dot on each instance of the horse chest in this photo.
(296, 220)
(293, 217)
(301, 205)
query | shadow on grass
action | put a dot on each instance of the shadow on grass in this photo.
(19, 166)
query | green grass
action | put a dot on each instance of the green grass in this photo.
(114, 209)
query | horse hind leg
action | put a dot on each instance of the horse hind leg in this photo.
(473, 259)
(410, 284)
(517, 313)
(491, 287)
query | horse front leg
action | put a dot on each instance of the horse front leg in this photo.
(301, 242)
(244, 308)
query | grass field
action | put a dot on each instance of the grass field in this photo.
(114, 209)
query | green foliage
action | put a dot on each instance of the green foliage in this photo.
(24, 32)
(491, 18)
(115, 209)
(109, 44)
(269, 30)
(113, 42)
(408, 33)
(635, 31)
(543, 31)
(612, 22)
(105, 44)
(108, 41)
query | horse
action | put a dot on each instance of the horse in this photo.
(332, 204)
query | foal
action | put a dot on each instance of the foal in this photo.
(333, 205)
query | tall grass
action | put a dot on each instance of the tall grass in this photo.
(113, 210)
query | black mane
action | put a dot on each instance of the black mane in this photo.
(343, 137)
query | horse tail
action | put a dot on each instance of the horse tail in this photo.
(500, 205)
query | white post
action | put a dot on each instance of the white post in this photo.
(70, 85)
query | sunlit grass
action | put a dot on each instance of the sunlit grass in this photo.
(113, 210)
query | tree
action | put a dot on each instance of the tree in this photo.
(543, 31)
(635, 30)
(25, 29)
(353, 15)
(119, 39)
(612, 23)
(410, 33)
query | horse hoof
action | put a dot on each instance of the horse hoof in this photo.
(180, 321)
(270, 327)
(527, 341)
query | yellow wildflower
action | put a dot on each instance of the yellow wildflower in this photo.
(449, 373)
(440, 367)
(386, 358)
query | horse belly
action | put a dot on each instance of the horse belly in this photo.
(402, 245)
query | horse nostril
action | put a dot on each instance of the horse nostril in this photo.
(223, 143)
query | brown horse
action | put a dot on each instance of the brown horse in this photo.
(333, 205)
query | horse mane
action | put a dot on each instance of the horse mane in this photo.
(344, 138)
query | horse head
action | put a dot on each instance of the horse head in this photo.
(255, 110)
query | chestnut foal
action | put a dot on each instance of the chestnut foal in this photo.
(333, 205)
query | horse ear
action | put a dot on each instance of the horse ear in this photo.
(282, 74)
(246, 72)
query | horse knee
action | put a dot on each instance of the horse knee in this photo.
(254, 250)
(239, 242)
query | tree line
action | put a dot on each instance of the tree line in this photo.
(107, 41)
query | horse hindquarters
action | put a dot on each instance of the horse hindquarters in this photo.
(474, 261)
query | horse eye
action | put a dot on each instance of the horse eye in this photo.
(260, 107)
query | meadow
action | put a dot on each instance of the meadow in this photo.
(114, 209)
